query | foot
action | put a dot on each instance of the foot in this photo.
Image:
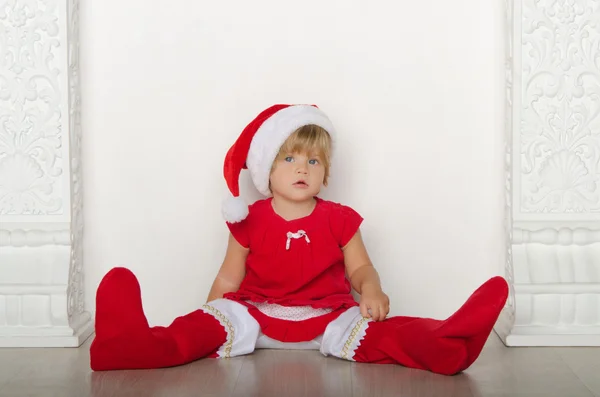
(474, 321)
(479, 313)
(121, 326)
(119, 305)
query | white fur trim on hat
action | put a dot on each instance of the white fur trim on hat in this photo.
(272, 134)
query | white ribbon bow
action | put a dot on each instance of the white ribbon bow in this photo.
(298, 234)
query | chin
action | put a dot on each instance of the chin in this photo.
(300, 196)
(307, 196)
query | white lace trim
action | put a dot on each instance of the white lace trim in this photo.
(291, 313)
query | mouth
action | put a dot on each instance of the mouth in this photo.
(301, 184)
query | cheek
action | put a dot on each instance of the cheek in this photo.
(277, 175)
(284, 169)
(274, 177)
(318, 173)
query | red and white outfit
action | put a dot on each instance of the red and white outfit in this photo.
(295, 294)
(295, 285)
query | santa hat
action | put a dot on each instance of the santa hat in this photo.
(258, 145)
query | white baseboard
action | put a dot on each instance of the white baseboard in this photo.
(39, 339)
(545, 336)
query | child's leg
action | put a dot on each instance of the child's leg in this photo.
(124, 340)
(446, 347)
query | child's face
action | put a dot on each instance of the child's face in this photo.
(297, 176)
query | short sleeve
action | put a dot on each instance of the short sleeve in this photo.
(345, 222)
(239, 231)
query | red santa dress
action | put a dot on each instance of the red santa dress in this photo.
(295, 282)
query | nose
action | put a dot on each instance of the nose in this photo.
(302, 167)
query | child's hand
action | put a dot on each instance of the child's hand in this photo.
(375, 301)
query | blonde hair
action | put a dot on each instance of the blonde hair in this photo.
(312, 140)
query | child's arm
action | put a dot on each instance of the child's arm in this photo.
(232, 270)
(365, 279)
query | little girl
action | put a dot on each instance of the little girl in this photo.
(286, 280)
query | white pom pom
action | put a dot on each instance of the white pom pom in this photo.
(234, 209)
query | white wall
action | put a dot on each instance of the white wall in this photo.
(415, 89)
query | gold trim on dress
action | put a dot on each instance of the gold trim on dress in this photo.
(228, 325)
(352, 337)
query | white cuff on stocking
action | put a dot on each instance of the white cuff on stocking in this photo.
(343, 335)
(242, 329)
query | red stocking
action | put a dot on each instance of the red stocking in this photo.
(124, 339)
(445, 347)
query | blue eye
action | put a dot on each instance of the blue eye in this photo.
(289, 159)
(313, 162)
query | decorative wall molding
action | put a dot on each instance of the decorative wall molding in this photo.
(558, 134)
(34, 238)
(32, 165)
(558, 236)
(552, 174)
(41, 269)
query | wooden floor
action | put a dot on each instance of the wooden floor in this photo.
(500, 371)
